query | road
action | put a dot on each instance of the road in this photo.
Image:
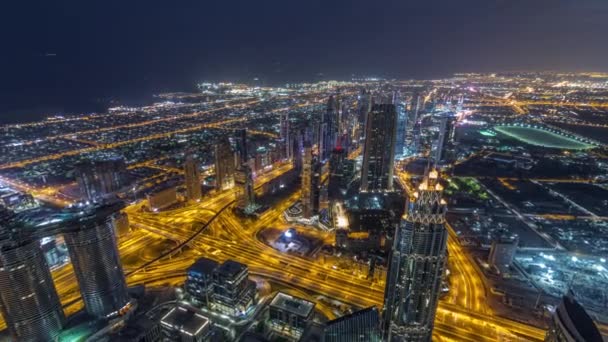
(231, 237)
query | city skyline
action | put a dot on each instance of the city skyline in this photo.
(467, 208)
(69, 57)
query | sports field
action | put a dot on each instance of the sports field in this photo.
(539, 137)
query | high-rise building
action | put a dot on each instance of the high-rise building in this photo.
(28, 299)
(417, 265)
(92, 246)
(316, 187)
(401, 124)
(307, 175)
(285, 136)
(99, 178)
(245, 192)
(446, 136)
(193, 178)
(571, 323)
(360, 326)
(241, 146)
(224, 165)
(336, 173)
(298, 148)
(379, 149)
(328, 130)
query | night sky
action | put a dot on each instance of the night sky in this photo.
(76, 55)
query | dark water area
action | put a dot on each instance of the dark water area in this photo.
(23, 112)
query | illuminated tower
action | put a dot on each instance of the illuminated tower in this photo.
(416, 266)
(28, 299)
(401, 124)
(327, 129)
(446, 136)
(193, 179)
(307, 174)
(285, 136)
(379, 149)
(94, 255)
(224, 165)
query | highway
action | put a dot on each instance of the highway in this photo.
(231, 237)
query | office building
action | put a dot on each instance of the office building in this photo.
(199, 280)
(233, 292)
(193, 179)
(307, 183)
(364, 105)
(379, 149)
(241, 147)
(183, 324)
(401, 125)
(571, 323)
(360, 326)
(503, 252)
(285, 137)
(245, 193)
(336, 173)
(99, 178)
(417, 265)
(224, 165)
(28, 301)
(161, 197)
(445, 138)
(92, 246)
(329, 126)
(289, 316)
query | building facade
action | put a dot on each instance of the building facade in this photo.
(417, 265)
(193, 179)
(379, 149)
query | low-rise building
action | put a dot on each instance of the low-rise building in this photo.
(289, 316)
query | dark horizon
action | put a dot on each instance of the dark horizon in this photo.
(75, 57)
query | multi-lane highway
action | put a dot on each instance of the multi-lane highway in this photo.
(231, 237)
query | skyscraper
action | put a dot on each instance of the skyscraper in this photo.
(446, 136)
(336, 173)
(241, 146)
(193, 178)
(417, 264)
(224, 165)
(28, 299)
(328, 130)
(245, 193)
(307, 174)
(379, 149)
(92, 246)
(401, 124)
(571, 323)
(98, 178)
(284, 134)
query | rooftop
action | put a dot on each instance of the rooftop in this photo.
(231, 268)
(294, 305)
(186, 321)
(203, 266)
